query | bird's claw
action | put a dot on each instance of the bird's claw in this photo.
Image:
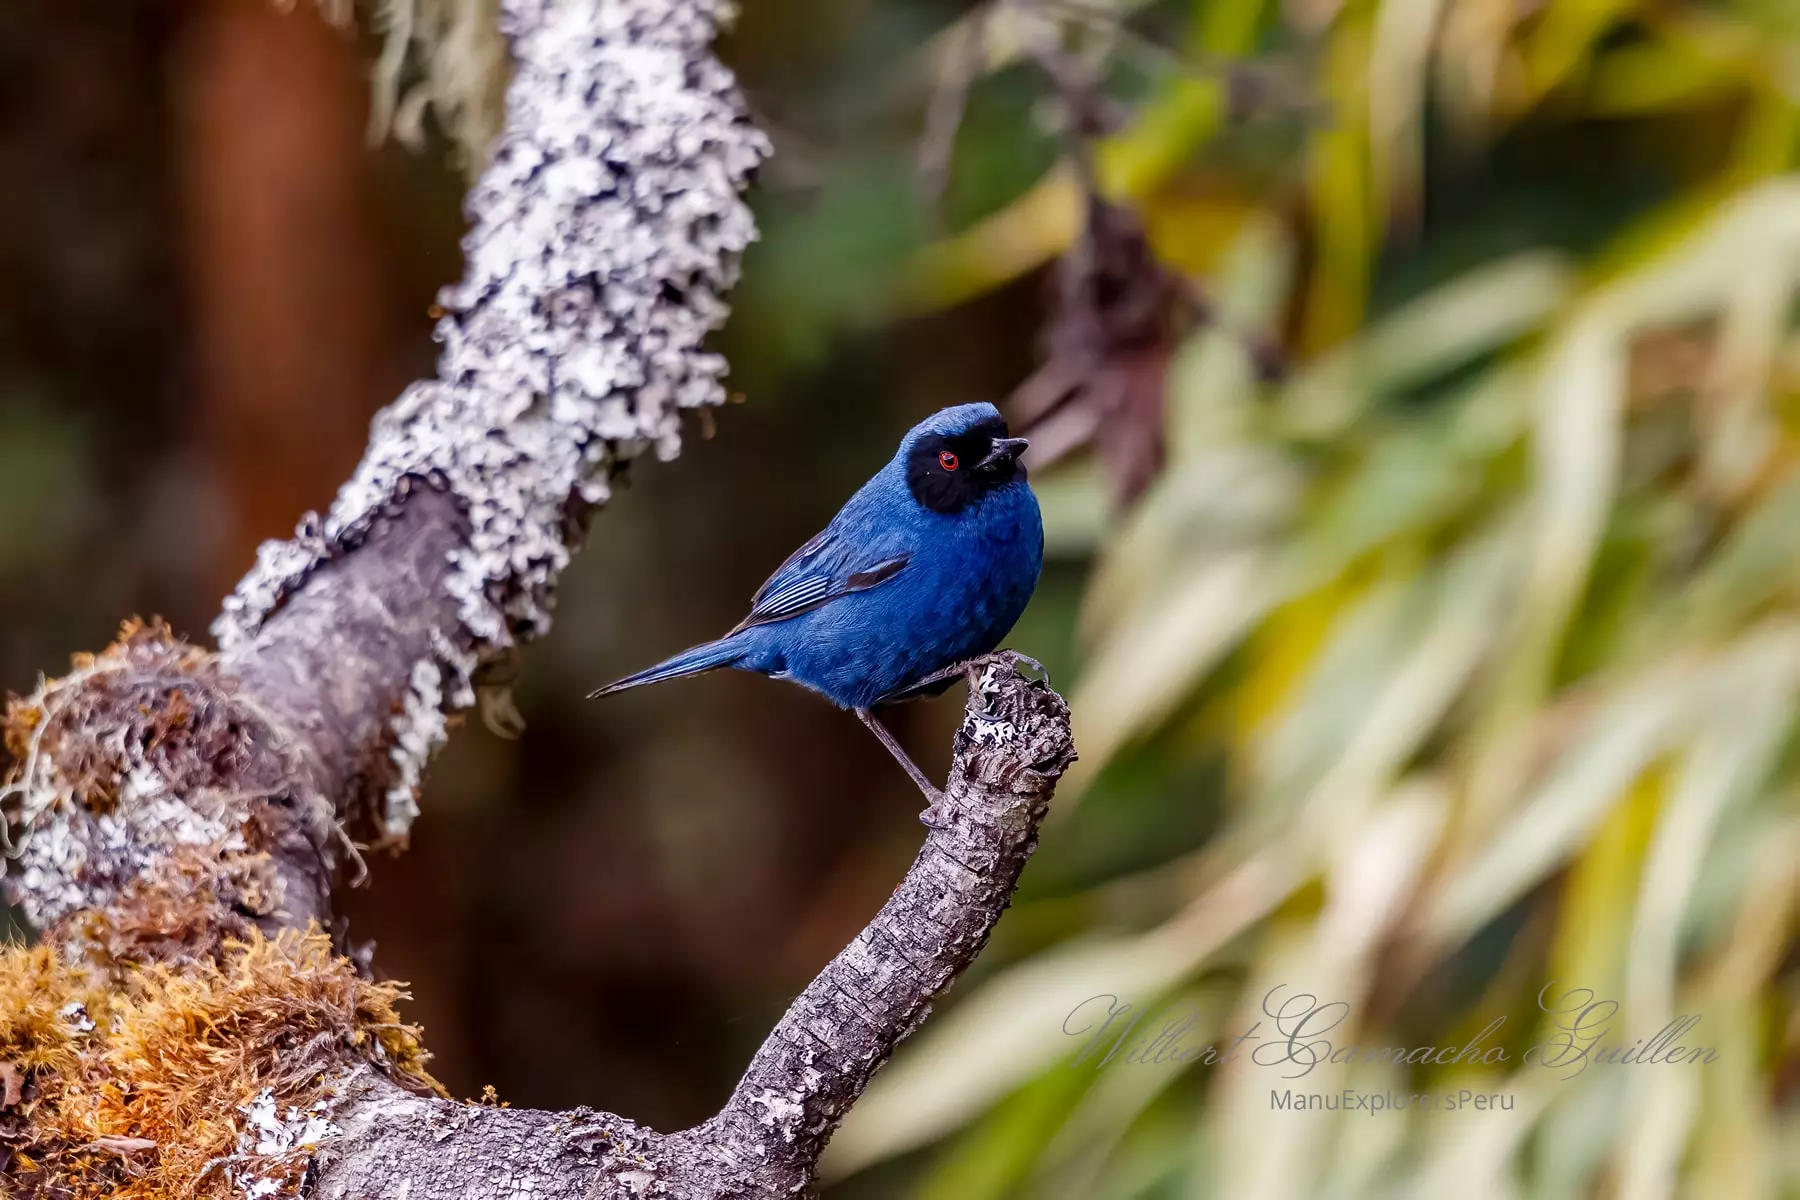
(970, 668)
(1016, 658)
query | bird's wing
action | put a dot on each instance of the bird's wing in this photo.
(826, 567)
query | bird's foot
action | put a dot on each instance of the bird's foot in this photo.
(969, 667)
(1016, 658)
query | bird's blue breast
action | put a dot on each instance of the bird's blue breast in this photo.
(967, 579)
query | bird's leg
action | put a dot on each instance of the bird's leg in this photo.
(894, 748)
(967, 667)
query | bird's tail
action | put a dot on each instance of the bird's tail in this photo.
(707, 656)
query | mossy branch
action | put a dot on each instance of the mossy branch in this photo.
(177, 816)
(159, 1045)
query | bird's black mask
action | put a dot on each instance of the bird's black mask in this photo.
(949, 472)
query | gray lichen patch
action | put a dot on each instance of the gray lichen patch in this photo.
(418, 730)
(137, 759)
(606, 229)
(439, 684)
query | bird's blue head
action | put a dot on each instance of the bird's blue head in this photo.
(957, 456)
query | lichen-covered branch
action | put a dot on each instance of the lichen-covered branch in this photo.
(177, 818)
(1013, 745)
(606, 230)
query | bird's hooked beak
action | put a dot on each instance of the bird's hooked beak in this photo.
(1002, 453)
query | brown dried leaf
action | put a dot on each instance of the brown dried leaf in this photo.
(1119, 314)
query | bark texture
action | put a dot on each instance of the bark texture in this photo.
(176, 815)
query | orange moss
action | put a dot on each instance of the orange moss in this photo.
(22, 718)
(136, 1093)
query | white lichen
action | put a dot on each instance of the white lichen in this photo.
(636, 1182)
(417, 731)
(977, 724)
(779, 1112)
(268, 1133)
(809, 1074)
(78, 860)
(422, 726)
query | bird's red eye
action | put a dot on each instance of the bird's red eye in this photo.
(947, 461)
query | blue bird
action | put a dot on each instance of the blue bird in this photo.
(926, 567)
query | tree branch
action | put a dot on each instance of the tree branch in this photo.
(1013, 744)
(173, 806)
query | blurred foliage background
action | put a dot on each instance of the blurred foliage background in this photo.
(1425, 548)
